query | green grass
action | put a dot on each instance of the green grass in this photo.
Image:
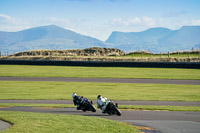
(115, 91)
(135, 107)
(97, 72)
(37, 105)
(55, 123)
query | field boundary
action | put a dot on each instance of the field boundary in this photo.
(192, 65)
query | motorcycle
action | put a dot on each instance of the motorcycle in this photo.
(87, 105)
(112, 109)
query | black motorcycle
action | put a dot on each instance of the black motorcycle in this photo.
(112, 109)
(86, 105)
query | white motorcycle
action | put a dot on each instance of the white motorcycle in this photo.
(112, 109)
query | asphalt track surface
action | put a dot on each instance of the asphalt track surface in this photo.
(105, 80)
(158, 103)
(4, 125)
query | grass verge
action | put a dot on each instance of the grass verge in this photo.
(126, 107)
(114, 91)
(55, 123)
(36, 105)
(97, 72)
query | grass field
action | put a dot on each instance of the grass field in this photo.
(97, 72)
(115, 91)
(55, 123)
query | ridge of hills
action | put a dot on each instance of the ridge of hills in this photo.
(53, 37)
(157, 39)
(45, 37)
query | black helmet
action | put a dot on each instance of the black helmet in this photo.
(98, 96)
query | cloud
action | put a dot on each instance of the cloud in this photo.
(195, 22)
(146, 21)
(9, 23)
(7, 19)
(59, 20)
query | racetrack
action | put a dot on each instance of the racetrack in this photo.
(4, 125)
(104, 80)
(161, 103)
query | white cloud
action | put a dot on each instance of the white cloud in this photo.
(7, 19)
(59, 20)
(9, 23)
(195, 22)
(148, 21)
(145, 21)
(11, 20)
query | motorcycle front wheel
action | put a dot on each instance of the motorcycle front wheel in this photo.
(93, 109)
(117, 110)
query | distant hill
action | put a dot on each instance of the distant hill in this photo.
(53, 37)
(157, 39)
(45, 37)
(94, 51)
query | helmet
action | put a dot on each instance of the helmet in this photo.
(73, 95)
(98, 96)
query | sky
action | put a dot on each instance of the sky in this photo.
(98, 18)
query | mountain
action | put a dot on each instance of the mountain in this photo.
(157, 39)
(45, 37)
(53, 37)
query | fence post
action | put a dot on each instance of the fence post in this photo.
(160, 54)
(168, 55)
(0, 53)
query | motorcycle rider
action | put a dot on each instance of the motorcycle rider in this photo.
(102, 103)
(78, 100)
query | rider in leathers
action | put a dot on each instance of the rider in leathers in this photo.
(77, 101)
(102, 103)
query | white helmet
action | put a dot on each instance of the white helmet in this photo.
(73, 95)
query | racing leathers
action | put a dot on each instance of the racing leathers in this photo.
(102, 103)
(78, 100)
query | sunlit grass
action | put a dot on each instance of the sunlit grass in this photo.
(56, 123)
(97, 72)
(115, 91)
